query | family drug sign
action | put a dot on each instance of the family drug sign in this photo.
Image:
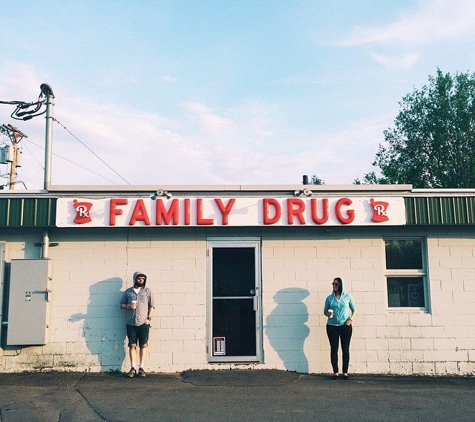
(230, 211)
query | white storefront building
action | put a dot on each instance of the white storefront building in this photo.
(239, 276)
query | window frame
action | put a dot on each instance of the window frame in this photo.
(409, 273)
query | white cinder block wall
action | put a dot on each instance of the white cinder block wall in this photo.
(91, 270)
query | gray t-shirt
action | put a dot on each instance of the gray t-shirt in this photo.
(144, 300)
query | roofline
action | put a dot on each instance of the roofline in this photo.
(443, 190)
(68, 189)
(252, 190)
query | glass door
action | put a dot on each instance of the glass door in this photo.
(234, 301)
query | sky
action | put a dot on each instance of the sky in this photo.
(228, 92)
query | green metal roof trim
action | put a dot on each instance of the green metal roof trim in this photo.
(440, 210)
(28, 212)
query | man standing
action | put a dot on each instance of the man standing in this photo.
(138, 301)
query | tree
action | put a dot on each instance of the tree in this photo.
(371, 179)
(432, 143)
(316, 180)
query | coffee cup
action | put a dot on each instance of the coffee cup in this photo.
(133, 304)
(330, 313)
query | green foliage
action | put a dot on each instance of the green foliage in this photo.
(371, 179)
(316, 180)
(432, 143)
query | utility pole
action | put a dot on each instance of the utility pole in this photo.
(15, 136)
(47, 91)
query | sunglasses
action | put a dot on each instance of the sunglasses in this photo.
(335, 284)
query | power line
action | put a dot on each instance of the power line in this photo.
(75, 137)
(26, 111)
(66, 159)
(38, 161)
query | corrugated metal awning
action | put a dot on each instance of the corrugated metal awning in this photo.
(27, 212)
(440, 210)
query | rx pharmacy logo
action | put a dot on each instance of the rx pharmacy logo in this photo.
(380, 211)
(83, 212)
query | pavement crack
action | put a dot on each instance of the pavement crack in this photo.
(88, 403)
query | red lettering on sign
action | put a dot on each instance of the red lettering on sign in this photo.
(199, 215)
(221, 211)
(225, 210)
(266, 204)
(114, 211)
(325, 210)
(139, 214)
(164, 216)
(350, 214)
(187, 212)
(295, 208)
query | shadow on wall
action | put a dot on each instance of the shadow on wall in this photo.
(287, 330)
(103, 324)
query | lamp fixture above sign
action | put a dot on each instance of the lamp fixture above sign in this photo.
(306, 192)
(159, 193)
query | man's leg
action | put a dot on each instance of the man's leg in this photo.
(132, 355)
(142, 354)
(132, 336)
(143, 340)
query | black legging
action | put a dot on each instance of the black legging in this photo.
(335, 333)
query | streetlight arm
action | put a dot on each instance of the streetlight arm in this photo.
(46, 90)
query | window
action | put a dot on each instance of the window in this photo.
(406, 273)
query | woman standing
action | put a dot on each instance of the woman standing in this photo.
(340, 310)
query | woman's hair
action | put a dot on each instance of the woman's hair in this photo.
(340, 284)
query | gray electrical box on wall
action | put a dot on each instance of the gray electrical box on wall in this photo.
(28, 305)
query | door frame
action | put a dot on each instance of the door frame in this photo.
(234, 242)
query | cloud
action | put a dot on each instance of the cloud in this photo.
(211, 123)
(246, 125)
(401, 61)
(433, 21)
(203, 146)
(20, 82)
(168, 79)
(348, 153)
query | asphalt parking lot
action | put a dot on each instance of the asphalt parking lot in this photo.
(233, 395)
